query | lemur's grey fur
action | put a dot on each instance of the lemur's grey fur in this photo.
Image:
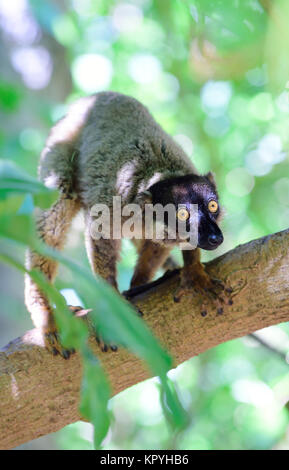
(108, 144)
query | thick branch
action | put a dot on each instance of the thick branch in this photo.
(40, 393)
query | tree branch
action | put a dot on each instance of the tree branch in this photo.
(40, 393)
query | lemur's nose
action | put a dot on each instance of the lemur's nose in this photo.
(215, 240)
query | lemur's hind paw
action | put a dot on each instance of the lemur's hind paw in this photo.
(53, 344)
(109, 346)
(52, 340)
(105, 347)
(80, 312)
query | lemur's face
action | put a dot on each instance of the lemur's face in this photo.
(184, 191)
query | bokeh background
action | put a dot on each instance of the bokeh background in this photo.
(215, 75)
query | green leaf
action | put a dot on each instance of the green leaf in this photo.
(11, 205)
(14, 180)
(45, 199)
(174, 412)
(95, 393)
(27, 205)
(19, 227)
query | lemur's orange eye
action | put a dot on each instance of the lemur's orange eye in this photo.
(213, 206)
(182, 214)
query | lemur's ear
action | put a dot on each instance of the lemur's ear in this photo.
(145, 197)
(210, 176)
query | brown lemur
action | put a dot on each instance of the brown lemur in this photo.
(109, 145)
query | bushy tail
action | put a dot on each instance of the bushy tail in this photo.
(59, 158)
(58, 167)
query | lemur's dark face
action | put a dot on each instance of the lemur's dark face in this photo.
(183, 191)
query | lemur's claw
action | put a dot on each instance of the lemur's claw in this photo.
(53, 344)
(138, 311)
(104, 347)
(181, 291)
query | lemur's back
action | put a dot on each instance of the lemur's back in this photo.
(109, 144)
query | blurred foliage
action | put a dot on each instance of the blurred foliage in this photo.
(214, 73)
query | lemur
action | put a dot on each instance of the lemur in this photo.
(108, 144)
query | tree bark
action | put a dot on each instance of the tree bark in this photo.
(40, 393)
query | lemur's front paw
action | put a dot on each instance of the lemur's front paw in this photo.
(53, 344)
(192, 281)
(51, 336)
(211, 290)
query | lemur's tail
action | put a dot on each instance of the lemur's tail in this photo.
(59, 158)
